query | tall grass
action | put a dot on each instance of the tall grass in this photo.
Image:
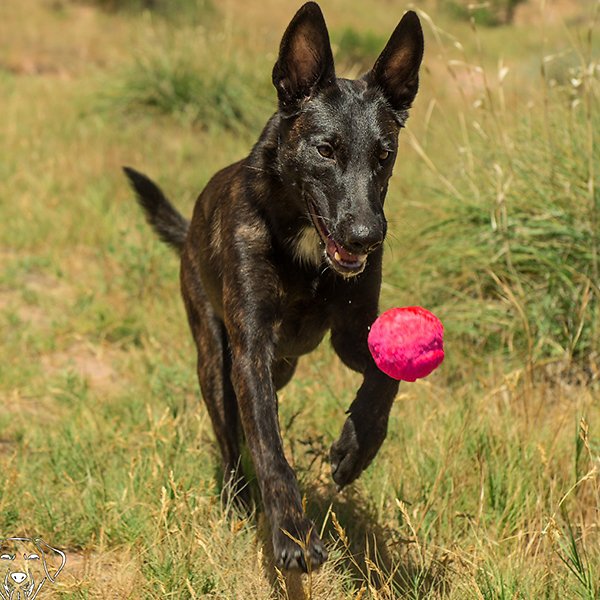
(201, 90)
(512, 259)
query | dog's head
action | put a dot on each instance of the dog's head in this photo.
(25, 565)
(339, 137)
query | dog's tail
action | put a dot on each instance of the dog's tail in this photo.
(164, 218)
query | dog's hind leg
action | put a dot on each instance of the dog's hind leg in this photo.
(214, 369)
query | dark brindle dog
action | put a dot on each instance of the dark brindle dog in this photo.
(286, 245)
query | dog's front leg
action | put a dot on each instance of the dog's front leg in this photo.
(251, 317)
(368, 415)
(365, 428)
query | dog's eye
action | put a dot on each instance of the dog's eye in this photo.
(383, 155)
(6, 557)
(325, 150)
(33, 557)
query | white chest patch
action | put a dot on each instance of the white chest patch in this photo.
(307, 246)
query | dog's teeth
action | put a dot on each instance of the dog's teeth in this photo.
(337, 256)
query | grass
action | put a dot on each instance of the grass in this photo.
(173, 83)
(178, 11)
(520, 240)
(487, 486)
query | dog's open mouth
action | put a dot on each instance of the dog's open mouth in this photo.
(341, 260)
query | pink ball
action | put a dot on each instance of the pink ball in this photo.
(407, 343)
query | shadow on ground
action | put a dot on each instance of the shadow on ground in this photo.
(363, 553)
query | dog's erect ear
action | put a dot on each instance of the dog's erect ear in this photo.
(305, 61)
(396, 71)
(54, 560)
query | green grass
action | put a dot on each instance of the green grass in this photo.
(520, 245)
(487, 486)
(177, 84)
(177, 11)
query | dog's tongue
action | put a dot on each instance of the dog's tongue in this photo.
(341, 255)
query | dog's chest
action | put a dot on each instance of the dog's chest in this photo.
(304, 319)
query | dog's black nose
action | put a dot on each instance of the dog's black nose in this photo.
(362, 239)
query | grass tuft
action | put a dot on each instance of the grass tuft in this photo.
(198, 90)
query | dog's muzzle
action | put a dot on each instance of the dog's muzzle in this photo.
(343, 261)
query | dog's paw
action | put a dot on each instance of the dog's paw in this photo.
(297, 547)
(354, 451)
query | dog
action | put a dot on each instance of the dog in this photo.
(25, 565)
(285, 246)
